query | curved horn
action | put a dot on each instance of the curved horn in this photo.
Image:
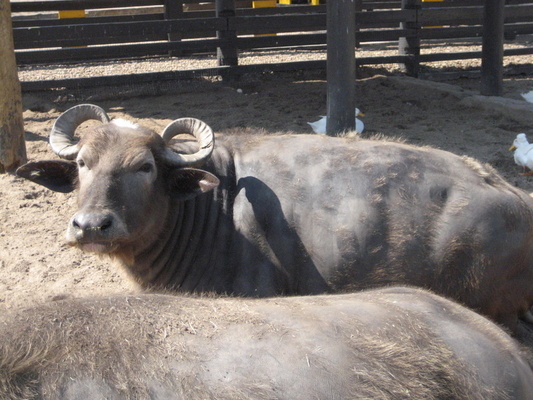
(200, 130)
(62, 135)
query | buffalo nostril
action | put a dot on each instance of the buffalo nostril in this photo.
(106, 224)
(92, 222)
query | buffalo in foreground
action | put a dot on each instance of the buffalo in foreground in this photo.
(292, 214)
(394, 343)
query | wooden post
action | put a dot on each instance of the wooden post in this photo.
(227, 52)
(410, 46)
(492, 51)
(174, 10)
(12, 145)
(340, 66)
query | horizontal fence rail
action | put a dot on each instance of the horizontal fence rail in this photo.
(108, 30)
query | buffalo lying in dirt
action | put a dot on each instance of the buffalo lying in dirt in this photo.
(395, 343)
(292, 214)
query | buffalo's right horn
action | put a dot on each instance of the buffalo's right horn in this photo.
(62, 135)
(203, 134)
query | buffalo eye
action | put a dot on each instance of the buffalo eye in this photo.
(148, 167)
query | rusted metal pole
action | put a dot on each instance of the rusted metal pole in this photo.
(341, 66)
(492, 51)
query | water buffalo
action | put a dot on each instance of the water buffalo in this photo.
(292, 214)
(395, 343)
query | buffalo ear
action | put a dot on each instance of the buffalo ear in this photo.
(56, 175)
(186, 183)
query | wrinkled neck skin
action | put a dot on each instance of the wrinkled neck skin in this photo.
(183, 253)
(193, 248)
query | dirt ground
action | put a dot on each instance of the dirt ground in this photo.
(36, 265)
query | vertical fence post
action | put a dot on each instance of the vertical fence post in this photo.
(410, 45)
(12, 144)
(340, 66)
(227, 51)
(492, 50)
(173, 10)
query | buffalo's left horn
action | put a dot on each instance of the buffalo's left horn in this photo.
(203, 134)
(62, 135)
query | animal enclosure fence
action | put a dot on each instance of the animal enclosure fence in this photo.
(109, 30)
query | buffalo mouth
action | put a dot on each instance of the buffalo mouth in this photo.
(96, 247)
(99, 247)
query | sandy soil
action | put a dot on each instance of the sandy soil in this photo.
(37, 266)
